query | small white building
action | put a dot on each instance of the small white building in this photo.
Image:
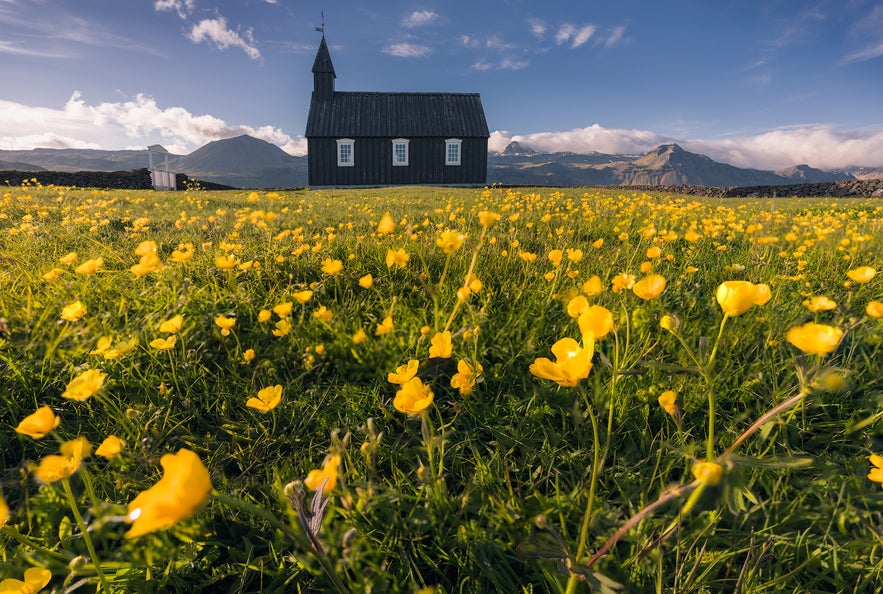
(158, 165)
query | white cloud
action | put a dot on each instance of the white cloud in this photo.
(7, 47)
(482, 66)
(182, 7)
(216, 31)
(537, 28)
(615, 36)
(819, 146)
(111, 126)
(513, 64)
(420, 18)
(469, 41)
(407, 50)
(577, 36)
(583, 35)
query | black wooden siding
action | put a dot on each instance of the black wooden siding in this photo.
(373, 162)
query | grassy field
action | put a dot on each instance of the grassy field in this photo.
(439, 390)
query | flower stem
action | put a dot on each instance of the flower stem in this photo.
(85, 532)
(706, 374)
(587, 516)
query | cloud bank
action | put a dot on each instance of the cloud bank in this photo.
(135, 123)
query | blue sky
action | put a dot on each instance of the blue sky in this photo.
(764, 84)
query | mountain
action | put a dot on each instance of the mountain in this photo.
(668, 164)
(243, 162)
(74, 159)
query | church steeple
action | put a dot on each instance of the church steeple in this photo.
(323, 73)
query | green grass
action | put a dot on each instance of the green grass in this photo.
(512, 488)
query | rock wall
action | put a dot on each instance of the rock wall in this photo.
(848, 188)
(134, 179)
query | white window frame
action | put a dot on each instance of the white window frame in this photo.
(459, 144)
(396, 142)
(346, 142)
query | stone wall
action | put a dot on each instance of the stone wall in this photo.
(847, 188)
(134, 179)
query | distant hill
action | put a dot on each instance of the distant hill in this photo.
(667, 165)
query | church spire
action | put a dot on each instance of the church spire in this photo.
(323, 73)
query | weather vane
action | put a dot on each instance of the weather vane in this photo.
(322, 28)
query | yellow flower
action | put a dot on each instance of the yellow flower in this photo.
(121, 349)
(148, 263)
(73, 312)
(649, 287)
(39, 423)
(110, 448)
(384, 327)
(102, 345)
(283, 327)
(248, 355)
(181, 492)
(183, 253)
(90, 266)
(397, 257)
(267, 400)
(331, 266)
(85, 385)
(366, 282)
(69, 258)
(283, 310)
(386, 225)
(874, 309)
(598, 243)
(53, 274)
(328, 475)
(145, 248)
(572, 363)
(574, 255)
(709, 473)
(172, 325)
(302, 296)
(54, 467)
(466, 376)
(225, 324)
(413, 398)
(323, 313)
(4, 513)
(815, 339)
(597, 321)
(737, 297)
(164, 344)
(876, 473)
(667, 401)
(862, 274)
(817, 304)
(577, 306)
(441, 345)
(36, 579)
(359, 337)
(264, 315)
(622, 282)
(555, 257)
(672, 323)
(593, 286)
(654, 252)
(403, 373)
(225, 262)
(450, 241)
(487, 218)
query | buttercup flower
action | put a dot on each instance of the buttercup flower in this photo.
(183, 253)
(441, 345)
(53, 274)
(577, 306)
(574, 255)
(148, 263)
(331, 266)
(876, 473)
(248, 355)
(146, 247)
(327, 474)
(450, 241)
(302, 296)
(386, 225)
(172, 325)
(164, 344)
(555, 257)
(4, 514)
(283, 310)
(874, 309)
(36, 578)
(397, 257)
(737, 297)
(593, 286)
(815, 339)
(384, 327)
(622, 282)
(649, 287)
(403, 373)
(283, 327)
(466, 376)
(366, 282)
(264, 315)
(39, 423)
(667, 401)
(90, 266)
(69, 258)
(572, 363)
(413, 397)
(180, 493)
(709, 473)
(862, 274)
(359, 337)
(597, 321)
(110, 448)
(487, 218)
(225, 324)
(323, 313)
(820, 303)
(54, 467)
(73, 312)
(267, 400)
(85, 385)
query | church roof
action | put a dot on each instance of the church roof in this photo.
(323, 64)
(396, 115)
